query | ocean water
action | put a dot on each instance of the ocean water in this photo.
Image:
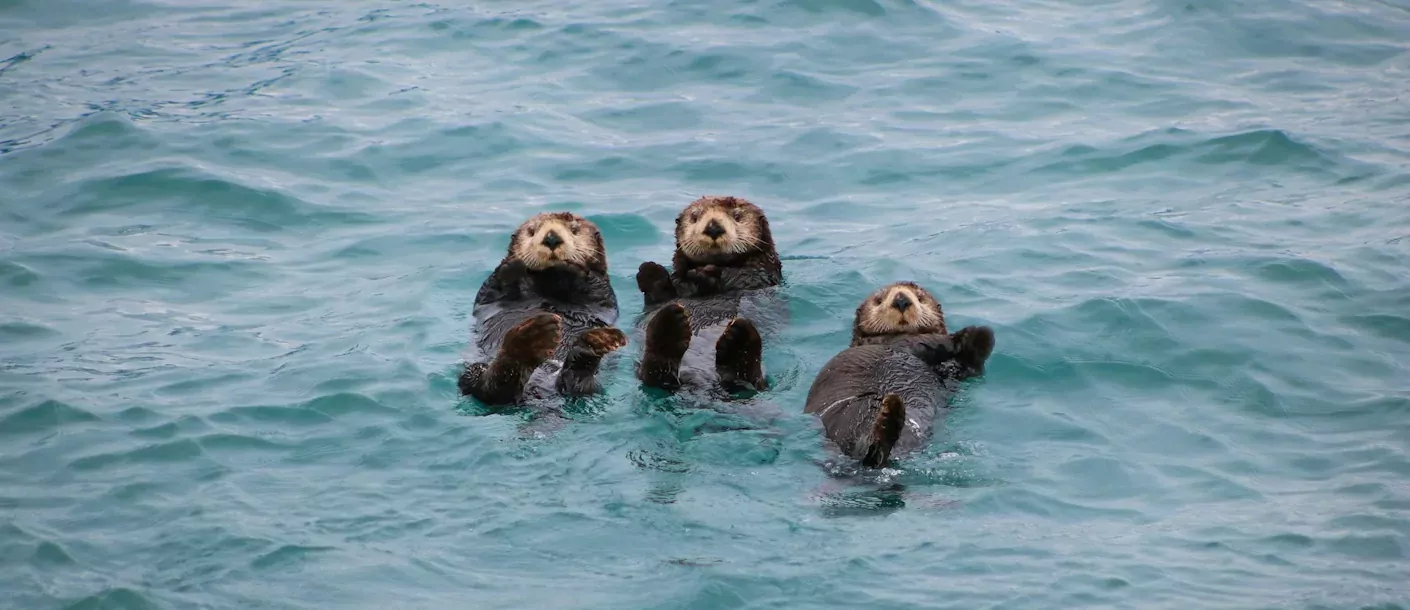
(239, 244)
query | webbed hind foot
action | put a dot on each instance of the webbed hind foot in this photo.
(525, 347)
(667, 338)
(739, 357)
(886, 431)
(579, 374)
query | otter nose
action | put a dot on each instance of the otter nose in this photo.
(552, 240)
(714, 230)
(901, 303)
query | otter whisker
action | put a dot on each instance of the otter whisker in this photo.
(744, 242)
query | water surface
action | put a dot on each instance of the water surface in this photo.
(239, 244)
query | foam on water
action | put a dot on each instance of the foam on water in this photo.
(239, 245)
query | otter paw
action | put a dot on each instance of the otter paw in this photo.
(533, 340)
(739, 356)
(974, 345)
(471, 377)
(602, 341)
(513, 271)
(654, 281)
(649, 274)
(886, 431)
(934, 349)
(669, 331)
(706, 279)
(667, 338)
(569, 269)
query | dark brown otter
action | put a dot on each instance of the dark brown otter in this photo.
(549, 299)
(703, 310)
(878, 398)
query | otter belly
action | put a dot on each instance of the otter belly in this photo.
(698, 364)
(494, 320)
(848, 392)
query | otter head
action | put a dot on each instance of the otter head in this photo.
(718, 230)
(556, 238)
(902, 308)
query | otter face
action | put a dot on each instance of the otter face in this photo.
(713, 229)
(902, 308)
(553, 238)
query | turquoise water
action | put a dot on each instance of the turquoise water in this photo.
(240, 243)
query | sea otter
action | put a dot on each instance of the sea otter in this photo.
(549, 301)
(878, 397)
(701, 315)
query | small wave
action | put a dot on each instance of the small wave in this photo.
(492, 29)
(1261, 147)
(272, 414)
(346, 404)
(161, 432)
(104, 269)
(844, 8)
(1240, 152)
(1028, 502)
(184, 191)
(805, 88)
(16, 542)
(16, 275)
(1382, 547)
(449, 148)
(239, 443)
(51, 554)
(718, 172)
(287, 557)
(121, 597)
(652, 66)
(79, 143)
(183, 450)
(601, 170)
(45, 417)
(647, 118)
(1382, 325)
(201, 384)
(19, 58)
(12, 333)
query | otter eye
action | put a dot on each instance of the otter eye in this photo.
(695, 216)
(738, 214)
(577, 228)
(876, 301)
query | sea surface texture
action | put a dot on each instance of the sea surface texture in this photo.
(240, 242)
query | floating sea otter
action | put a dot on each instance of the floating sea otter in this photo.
(877, 398)
(701, 316)
(548, 306)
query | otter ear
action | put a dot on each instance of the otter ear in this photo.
(513, 242)
(857, 322)
(765, 235)
(598, 263)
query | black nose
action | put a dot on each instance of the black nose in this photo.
(714, 230)
(552, 240)
(901, 303)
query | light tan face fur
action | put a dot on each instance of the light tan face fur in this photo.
(535, 241)
(736, 231)
(901, 309)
